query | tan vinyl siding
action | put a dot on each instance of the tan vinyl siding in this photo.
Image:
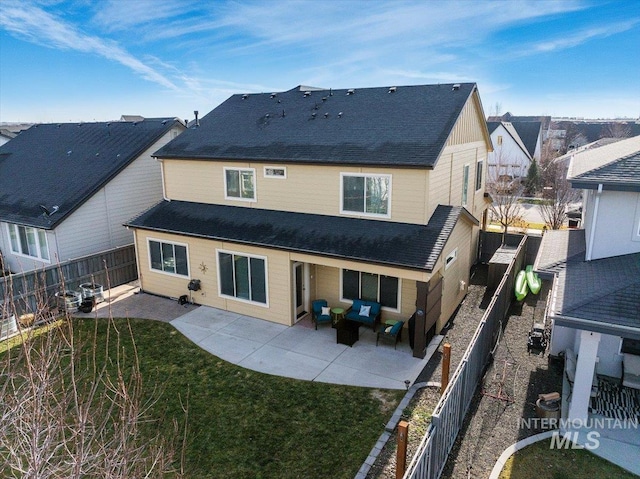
(458, 271)
(468, 128)
(307, 188)
(202, 252)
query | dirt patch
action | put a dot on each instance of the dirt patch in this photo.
(388, 400)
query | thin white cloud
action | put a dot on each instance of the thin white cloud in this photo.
(578, 38)
(33, 24)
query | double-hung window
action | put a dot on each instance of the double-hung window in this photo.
(366, 194)
(243, 276)
(29, 241)
(240, 184)
(479, 174)
(168, 257)
(371, 287)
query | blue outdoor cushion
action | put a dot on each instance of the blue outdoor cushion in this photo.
(396, 327)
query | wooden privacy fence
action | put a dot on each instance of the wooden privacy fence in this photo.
(448, 415)
(26, 291)
(490, 242)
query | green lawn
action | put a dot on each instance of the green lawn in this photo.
(538, 461)
(246, 424)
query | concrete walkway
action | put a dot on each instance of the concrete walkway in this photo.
(298, 352)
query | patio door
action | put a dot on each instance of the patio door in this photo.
(300, 289)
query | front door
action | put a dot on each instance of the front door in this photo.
(300, 289)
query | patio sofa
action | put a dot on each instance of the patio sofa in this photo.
(631, 371)
(366, 312)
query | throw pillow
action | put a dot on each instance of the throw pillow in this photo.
(364, 310)
(388, 330)
(325, 311)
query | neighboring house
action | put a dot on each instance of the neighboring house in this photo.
(510, 158)
(530, 133)
(545, 121)
(279, 199)
(66, 189)
(566, 158)
(6, 135)
(595, 300)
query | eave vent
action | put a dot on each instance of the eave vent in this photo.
(350, 91)
(456, 87)
(392, 89)
(245, 96)
(307, 93)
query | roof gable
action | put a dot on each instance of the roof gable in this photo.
(65, 164)
(529, 133)
(398, 126)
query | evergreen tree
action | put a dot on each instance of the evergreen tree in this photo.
(534, 180)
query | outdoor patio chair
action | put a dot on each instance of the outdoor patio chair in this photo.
(391, 333)
(320, 312)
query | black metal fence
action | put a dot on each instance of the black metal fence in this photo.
(26, 291)
(449, 413)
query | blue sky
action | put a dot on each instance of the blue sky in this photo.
(96, 60)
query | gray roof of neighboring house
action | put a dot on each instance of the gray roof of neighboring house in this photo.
(408, 126)
(65, 164)
(381, 242)
(586, 160)
(622, 174)
(529, 132)
(601, 295)
(492, 125)
(513, 133)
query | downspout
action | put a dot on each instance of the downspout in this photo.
(164, 189)
(594, 220)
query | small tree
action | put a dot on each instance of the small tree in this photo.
(533, 181)
(558, 195)
(63, 413)
(505, 193)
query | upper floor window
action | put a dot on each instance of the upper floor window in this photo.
(499, 139)
(243, 276)
(371, 287)
(479, 175)
(450, 259)
(240, 184)
(168, 257)
(366, 194)
(465, 184)
(29, 241)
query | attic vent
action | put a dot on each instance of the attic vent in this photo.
(392, 89)
(267, 115)
(273, 95)
(339, 114)
(326, 115)
(69, 153)
(324, 98)
(456, 87)
(350, 91)
(307, 93)
(313, 115)
(245, 96)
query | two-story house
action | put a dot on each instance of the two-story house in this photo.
(275, 200)
(66, 189)
(595, 299)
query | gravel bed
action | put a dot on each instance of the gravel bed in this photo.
(506, 394)
(458, 333)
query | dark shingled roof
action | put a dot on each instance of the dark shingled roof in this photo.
(65, 164)
(371, 126)
(604, 291)
(492, 125)
(528, 131)
(382, 242)
(621, 174)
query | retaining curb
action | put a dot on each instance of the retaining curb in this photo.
(508, 452)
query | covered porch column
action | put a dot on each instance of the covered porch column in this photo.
(581, 393)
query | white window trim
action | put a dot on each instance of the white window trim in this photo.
(37, 236)
(450, 259)
(255, 184)
(478, 188)
(364, 213)
(274, 176)
(465, 201)
(266, 277)
(159, 271)
(383, 308)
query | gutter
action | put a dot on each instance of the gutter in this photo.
(596, 326)
(594, 222)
